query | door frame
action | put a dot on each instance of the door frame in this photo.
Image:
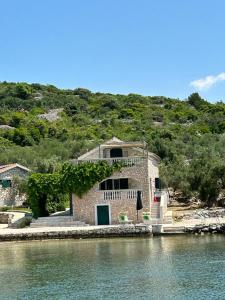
(96, 212)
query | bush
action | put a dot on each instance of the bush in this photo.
(25, 222)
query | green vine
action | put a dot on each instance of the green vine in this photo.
(77, 179)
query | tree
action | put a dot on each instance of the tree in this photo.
(23, 91)
(82, 93)
(71, 109)
(196, 101)
(21, 137)
(78, 179)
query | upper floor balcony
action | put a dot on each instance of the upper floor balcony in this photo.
(127, 161)
(129, 153)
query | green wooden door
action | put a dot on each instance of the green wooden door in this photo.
(103, 214)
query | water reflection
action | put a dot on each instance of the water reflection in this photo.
(180, 267)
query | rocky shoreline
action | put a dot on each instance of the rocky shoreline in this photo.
(202, 228)
(140, 230)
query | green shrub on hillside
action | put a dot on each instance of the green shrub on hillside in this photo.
(178, 131)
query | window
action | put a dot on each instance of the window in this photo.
(5, 183)
(157, 183)
(109, 184)
(124, 183)
(116, 152)
(114, 184)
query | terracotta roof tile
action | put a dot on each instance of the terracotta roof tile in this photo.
(4, 168)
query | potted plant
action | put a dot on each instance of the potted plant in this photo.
(146, 216)
(123, 218)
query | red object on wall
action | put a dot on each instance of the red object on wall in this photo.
(156, 199)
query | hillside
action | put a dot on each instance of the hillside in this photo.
(43, 126)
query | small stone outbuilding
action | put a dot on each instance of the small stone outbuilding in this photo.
(8, 194)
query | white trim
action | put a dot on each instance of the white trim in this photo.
(117, 142)
(96, 212)
(22, 167)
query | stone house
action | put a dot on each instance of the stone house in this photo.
(8, 194)
(118, 193)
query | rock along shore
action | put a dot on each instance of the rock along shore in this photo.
(210, 228)
(74, 233)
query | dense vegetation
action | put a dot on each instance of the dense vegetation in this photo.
(188, 135)
(46, 192)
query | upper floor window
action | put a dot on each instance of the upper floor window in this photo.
(157, 183)
(116, 152)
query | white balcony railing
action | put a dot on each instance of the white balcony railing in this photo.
(119, 194)
(128, 161)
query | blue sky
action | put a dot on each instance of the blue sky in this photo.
(148, 47)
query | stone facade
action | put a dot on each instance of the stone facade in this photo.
(16, 171)
(141, 172)
(8, 195)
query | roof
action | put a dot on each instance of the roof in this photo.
(115, 142)
(4, 168)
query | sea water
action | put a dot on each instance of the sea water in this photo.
(174, 267)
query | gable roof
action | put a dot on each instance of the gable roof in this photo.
(114, 140)
(118, 142)
(4, 168)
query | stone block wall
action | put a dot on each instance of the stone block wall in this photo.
(5, 218)
(84, 208)
(8, 198)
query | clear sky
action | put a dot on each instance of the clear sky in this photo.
(149, 47)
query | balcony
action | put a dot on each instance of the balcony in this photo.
(128, 161)
(119, 194)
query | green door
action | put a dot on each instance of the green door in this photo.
(103, 214)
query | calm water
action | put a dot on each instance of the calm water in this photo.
(186, 267)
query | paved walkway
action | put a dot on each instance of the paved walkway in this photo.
(5, 231)
(11, 234)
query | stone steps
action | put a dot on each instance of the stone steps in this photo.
(61, 224)
(173, 229)
(155, 212)
(56, 221)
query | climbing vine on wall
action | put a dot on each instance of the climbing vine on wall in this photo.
(77, 179)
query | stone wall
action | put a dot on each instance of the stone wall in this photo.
(8, 197)
(5, 218)
(76, 233)
(84, 209)
(14, 172)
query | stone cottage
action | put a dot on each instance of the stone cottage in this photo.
(117, 194)
(8, 194)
